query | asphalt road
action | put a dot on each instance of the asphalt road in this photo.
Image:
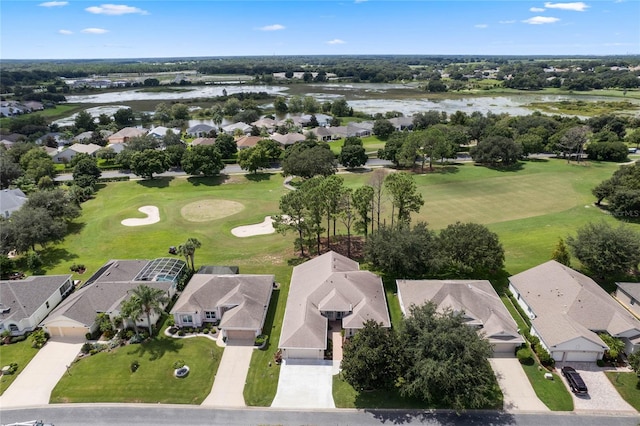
(150, 414)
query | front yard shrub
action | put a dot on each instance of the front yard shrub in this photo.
(134, 366)
(86, 348)
(13, 367)
(16, 339)
(525, 356)
(38, 338)
(178, 364)
(261, 340)
(544, 356)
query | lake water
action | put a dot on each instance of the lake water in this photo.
(366, 97)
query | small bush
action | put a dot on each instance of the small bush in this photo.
(86, 348)
(178, 364)
(525, 356)
(16, 339)
(134, 366)
(171, 321)
(181, 332)
(600, 363)
(13, 367)
(88, 336)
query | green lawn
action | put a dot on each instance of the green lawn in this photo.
(21, 353)
(107, 377)
(627, 385)
(345, 396)
(552, 393)
(529, 208)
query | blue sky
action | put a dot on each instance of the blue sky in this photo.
(149, 29)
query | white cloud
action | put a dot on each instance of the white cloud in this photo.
(274, 27)
(575, 6)
(511, 21)
(536, 9)
(54, 3)
(336, 41)
(95, 31)
(65, 32)
(539, 20)
(481, 26)
(115, 9)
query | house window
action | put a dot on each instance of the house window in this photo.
(186, 318)
(210, 315)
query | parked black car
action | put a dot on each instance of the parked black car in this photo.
(575, 380)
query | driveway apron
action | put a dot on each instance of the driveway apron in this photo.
(228, 385)
(34, 384)
(305, 384)
(516, 388)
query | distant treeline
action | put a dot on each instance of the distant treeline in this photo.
(527, 73)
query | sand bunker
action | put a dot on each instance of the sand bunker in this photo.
(206, 210)
(153, 216)
(264, 228)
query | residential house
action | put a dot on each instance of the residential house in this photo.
(237, 303)
(105, 291)
(288, 139)
(329, 290)
(265, 123)
(203, 141)
(117, 147)
(200, 130)
(231, 128)
(11, 200)
(33, 105)
(59, 138)
(68, 153)
(478, 302)
(25, 303)
(568, 310)
(123, 135)
(402, 123)
(161, 131)
(629, 295)
(248, 141)
(322, 119)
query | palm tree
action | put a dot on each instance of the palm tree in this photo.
(188, 250)
(149, 300)
(131, 310)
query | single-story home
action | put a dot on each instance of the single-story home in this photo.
(402, 123)
(329, 288)
(123, 135)
(203, 141)
(265, 123)
(105, 291)
(248, 141)
(629, 295)
(199, 130)
(322, 133)
(288, 139)
(477, 300)
(11, 200)
(161, 131)
(243, 127)
(68, 153)
(25, 303)
(568, 310)
(237, 303)
(322, 119)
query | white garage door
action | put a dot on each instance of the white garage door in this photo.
(68, 331)
(303, 354)
(576, 356)
(240, 335)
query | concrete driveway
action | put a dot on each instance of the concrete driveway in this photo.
(34, 384)
(516, 388)
(305, 384)
(602, 397)
(228, 386)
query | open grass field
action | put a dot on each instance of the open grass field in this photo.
(529, 208)
(628, 385)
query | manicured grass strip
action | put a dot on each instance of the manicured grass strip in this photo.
(552, 393)
(345, 396)
(627, 385)
(21, 353)
(107, 377)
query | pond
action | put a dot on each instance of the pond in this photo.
(367, 97)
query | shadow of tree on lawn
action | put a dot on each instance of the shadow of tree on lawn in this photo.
(156, 348)
(156, 182)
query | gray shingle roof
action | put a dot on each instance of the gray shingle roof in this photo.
(246, 296)
(632, 289)
(553, 290)
(330, 281)
(11, 200)
(24, 297)
(476, 298)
